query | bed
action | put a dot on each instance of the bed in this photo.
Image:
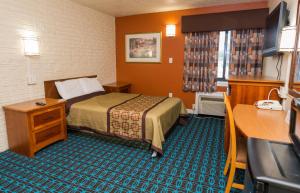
(126, 115)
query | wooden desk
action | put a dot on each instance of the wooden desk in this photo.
(262, 124)
(249, 89)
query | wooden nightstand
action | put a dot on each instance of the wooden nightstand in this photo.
(31, 127)
(117, 87)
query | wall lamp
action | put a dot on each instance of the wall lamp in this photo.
(170, 30)
(31, 46)
(287, 41)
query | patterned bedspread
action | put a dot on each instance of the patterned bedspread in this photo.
(128, 118)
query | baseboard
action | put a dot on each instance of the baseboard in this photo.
(214, 116)
(190, 111)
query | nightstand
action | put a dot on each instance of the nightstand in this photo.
(117, 87)
(31, 127)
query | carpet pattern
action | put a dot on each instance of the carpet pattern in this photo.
(193, 161)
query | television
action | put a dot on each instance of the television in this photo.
(295, 125)
(277, 19)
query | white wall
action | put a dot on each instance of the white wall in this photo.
(74, 41)
(270, 62)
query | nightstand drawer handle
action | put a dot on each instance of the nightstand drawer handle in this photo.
(49, 118)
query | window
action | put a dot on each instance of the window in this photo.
(224, 55)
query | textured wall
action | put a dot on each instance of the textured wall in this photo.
(74, 41)
(159, 79)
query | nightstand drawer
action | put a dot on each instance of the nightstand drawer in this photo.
(47, 136)
(124, 89)
(44, 117)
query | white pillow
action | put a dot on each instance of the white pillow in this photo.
(60, 89)
(69, 89)
(90, 85)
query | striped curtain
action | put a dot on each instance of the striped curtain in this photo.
(246, 52)
(201, 61)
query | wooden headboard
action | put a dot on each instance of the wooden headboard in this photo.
(50, 88)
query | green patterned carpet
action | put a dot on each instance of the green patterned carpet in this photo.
(193, 161)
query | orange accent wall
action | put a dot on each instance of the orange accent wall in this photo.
(162, 78)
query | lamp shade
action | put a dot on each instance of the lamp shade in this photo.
(31, 46)
(287, 41)
(170, 30)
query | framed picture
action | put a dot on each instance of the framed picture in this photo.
(143, 47)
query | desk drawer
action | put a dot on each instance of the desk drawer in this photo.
(45, 117)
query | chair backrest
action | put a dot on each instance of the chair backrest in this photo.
(231, 127)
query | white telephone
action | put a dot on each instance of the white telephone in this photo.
(269, 104)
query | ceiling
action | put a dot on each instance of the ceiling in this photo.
(132, 7)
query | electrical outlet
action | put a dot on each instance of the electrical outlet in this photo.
(170, 60)
(170, 94)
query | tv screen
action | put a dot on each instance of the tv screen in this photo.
(275, 22)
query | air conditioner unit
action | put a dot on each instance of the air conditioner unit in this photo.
(210, 104)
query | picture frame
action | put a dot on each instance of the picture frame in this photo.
(143, 47)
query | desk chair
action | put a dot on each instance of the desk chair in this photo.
(237, 154)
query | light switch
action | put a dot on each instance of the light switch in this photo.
(170, 60)
(31, 79)
(31, 76)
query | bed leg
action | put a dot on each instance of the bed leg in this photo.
(154, 154)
